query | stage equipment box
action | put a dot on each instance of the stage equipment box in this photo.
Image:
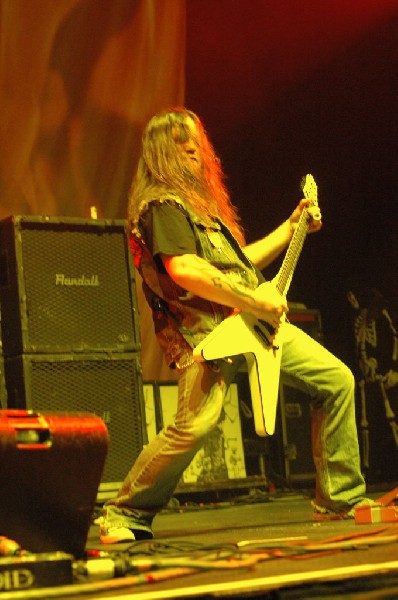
(50, 469)
(295, 410)
(22, 573)
(308, 319)
(222, 456)
(66, 285)
(109, 386)
(295, 416)
(3, 391)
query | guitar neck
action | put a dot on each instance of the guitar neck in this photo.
(292, 254)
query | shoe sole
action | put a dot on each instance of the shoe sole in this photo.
(137, 535)
(107, 539)
(332, 517)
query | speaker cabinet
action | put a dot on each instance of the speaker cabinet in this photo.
(66, 285)
(105, 385)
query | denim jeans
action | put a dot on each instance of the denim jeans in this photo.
(305, 365)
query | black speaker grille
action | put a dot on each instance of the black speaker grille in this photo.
(110, 388)
(66, 287)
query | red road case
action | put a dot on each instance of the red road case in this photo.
(50, 469)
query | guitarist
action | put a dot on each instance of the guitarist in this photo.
(189, 248)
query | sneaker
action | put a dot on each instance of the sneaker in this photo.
(118, 533)
(325, 514)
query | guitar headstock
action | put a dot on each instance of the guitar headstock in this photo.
(309, 188)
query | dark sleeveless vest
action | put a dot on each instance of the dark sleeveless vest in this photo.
(182, 319)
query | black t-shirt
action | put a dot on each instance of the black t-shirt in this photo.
(167, 231)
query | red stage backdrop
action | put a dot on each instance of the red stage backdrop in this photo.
(78, 80)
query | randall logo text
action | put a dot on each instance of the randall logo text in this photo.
(81, 281)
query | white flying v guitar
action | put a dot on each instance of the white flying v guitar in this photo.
(243, 333)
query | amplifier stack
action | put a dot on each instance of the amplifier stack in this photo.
(70, 332)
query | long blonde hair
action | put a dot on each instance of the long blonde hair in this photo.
(161, 168)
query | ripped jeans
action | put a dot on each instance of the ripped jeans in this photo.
(306, 365)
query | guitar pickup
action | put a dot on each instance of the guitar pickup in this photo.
(265, 336)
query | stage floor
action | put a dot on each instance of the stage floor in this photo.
(255, 546)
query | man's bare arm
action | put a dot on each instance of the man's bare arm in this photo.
(201, 278)
(264, 251)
